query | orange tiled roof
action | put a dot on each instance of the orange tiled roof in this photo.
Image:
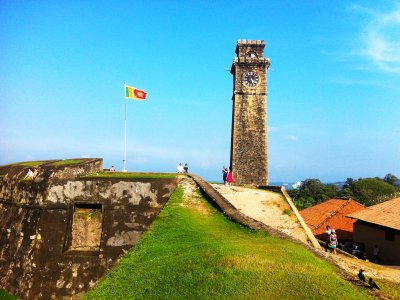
(332, 212)
(385, 214)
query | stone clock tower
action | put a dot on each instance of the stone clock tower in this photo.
(249, 156)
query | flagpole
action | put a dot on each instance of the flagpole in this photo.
(125, 170)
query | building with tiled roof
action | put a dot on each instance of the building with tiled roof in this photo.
(380, 225)
(332, 212)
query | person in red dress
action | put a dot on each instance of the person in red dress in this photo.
(230, 179)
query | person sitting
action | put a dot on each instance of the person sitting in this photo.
(112, 169)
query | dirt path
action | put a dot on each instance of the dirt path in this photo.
(265, 206)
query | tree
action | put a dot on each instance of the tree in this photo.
(302, 203)
(316, 190)
(347, 188)
(391, 179)
(370, 191)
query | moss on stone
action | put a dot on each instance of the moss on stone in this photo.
(130, 175)
(67, 162)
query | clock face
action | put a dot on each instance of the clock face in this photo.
(251, 79)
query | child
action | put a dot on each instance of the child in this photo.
(333, 241)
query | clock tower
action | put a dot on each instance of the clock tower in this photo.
(249, 156)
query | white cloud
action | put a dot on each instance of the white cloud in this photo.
(272, 129)
(292, 138)
(381, 40)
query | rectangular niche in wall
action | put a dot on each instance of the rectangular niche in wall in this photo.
(86, 227)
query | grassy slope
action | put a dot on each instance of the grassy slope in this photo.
(196, 253)
(6, 296)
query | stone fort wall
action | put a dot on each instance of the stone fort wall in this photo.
(44, 252)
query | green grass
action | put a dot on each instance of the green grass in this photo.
(287, 211)
(192, 251)
(131, 175)
(67, 162)
(389, 288)
(6, 296)
(29, 163)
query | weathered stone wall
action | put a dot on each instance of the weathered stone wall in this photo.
(14, 189)
(249, 147)
(36, 259)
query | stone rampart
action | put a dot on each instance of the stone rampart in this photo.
(60, 232)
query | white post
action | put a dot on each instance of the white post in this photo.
(125, 170)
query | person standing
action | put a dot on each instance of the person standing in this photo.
(327, 237)
(224, 174)
(333, 241)
(180, 168)
(375, 254)
(229, 178)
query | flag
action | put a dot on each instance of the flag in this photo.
(134, 93)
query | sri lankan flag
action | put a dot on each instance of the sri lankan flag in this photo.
(134, 93)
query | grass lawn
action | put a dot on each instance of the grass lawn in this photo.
(29, 163)
(6, 296)
(192, 251)
(130, 175)
(67, 162)
(389, 288)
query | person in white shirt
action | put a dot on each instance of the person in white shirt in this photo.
(180, 168)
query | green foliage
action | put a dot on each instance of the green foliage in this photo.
(371, 191)
(192, 251)
(6, 296)
(313, 191)
(391, 179)
(302, 203)
(367, 191)
(287, 212)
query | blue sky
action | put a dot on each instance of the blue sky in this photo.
(334, 83)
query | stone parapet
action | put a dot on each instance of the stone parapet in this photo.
(46, 225)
